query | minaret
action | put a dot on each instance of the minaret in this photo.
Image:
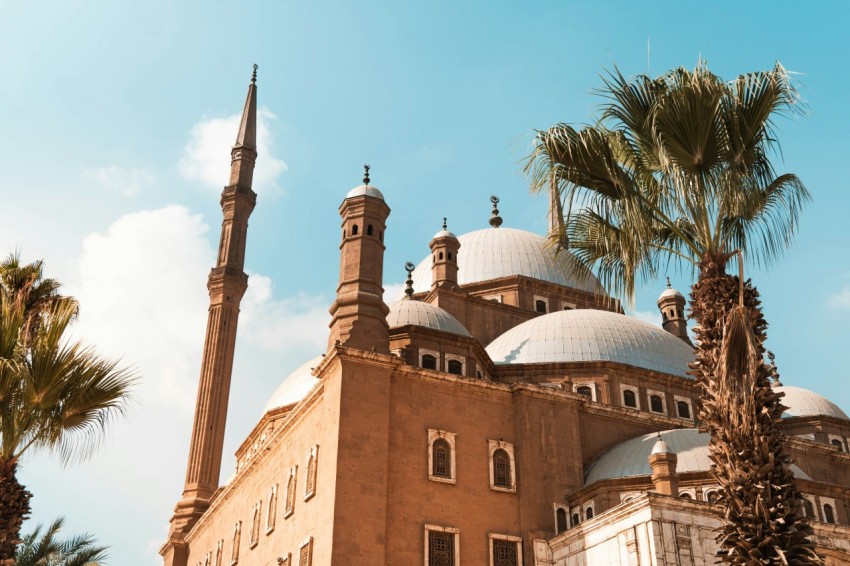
(663, 461)
(671, 303)
(227, 283)
(359, 314)
(444, 248)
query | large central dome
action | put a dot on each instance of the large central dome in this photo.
(501, 252)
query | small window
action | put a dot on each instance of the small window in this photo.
(504, 552)
(381, 235)
(685, 495)
(440, 256)
(540, 306)
(656, 404)
(344, 233)
(576, 519)
(684, 409)
(455, 367)
(429, 361)
(477, 374)
(290, 492)
(219, 551)
(561, 520)
(585, 390)
(305, 553)
(441, 546)
(237, 534)
(629, 398)
(711, 497)
(255, 524)
(369, 230)
(837, 443)
(828, 513)
(312, 470)
(442, 456)
(271, 512)
(354, 230)
(588, 513)
(450, 256)
(809, 509)
(501, 469)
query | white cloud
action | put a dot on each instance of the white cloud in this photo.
(652, 317)
(205, 157)
(393, 292)
(841, 299)
(128, 182)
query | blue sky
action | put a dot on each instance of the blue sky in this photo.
(117, 121)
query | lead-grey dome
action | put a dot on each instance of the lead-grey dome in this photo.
(417, 313)
(501, 252)
(631, 458)
(588, 335)
(803, 403)
(295, 387)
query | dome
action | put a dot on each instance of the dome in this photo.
(803, 403)
(588, 335)
(417, 313)
(444, 234)
(631, 458)
(670, 293)
(367, 190)
(295, 387)
(501, 252)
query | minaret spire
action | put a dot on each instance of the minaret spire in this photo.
(227, 284)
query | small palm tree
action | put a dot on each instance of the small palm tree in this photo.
(678, 171)
(45, 549)
(55, 394)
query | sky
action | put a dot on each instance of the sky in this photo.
(117, 119)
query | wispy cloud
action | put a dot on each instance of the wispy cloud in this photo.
(841, 299)
(128, 182)
(205, 157)
(652, 317)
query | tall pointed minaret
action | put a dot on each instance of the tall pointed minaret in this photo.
(227, 283)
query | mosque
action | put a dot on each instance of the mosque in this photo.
(503, 411)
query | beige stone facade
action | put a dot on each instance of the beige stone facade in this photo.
(439, 441)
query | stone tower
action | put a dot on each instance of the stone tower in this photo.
(671, 303)
(226, 284)
(663, 461)
(444, 248)
(359, 314)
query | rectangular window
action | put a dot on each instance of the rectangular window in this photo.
(312, 463)
(305, 553)
(290, 492)
(272, 510)
(441, 453)
(441, 546)
(505, 550)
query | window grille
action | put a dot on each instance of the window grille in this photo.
(290, 493)
(311, 475)
(837, 443)
(576, 519)
(441, 549)
(828, 513)
(629, 398)
(585, 390)
(442, 459)
(711, 497)
(304, 559)
(540, 306)
(809, 509)
(455, 367)
(685, 495)
(234, 553)
(429, 361)
(255, 524)
(588, 513)
(656, 404)
(504, 553)
(272, 510)
(501, 469)
(684, 409)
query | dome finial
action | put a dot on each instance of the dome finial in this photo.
(366, 174)
(495, 219)
(408, 285)
(669, 286)
(445, 226)
(254, 75)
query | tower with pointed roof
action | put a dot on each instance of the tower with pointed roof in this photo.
(444, 249)
(226, 284)
(671, 303)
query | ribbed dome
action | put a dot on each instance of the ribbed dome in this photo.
(417, 313)
(367, 190)
(803, 403)
(631, 458)
(500, 252)
(588, 335)
(295, 387)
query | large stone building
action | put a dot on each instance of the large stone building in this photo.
(503, 411)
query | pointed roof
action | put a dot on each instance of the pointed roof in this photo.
(247, 136)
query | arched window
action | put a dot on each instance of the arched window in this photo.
(501, 469)
(442, 459)
(290, 492)
(450, 256)
(588, 513)
(684, 409)
(656, 404)
(354, 230)
(837, 443)
(455, 367)
(312, 463)
(585, 390)
(808, 509)
(685, 495)
(828, 513)
(440, 255)
(711, 497)
(629, 398)
(576, 519)
(561, 520)
(540, 305)
(237, 535)
(429, 361)
(369, 230)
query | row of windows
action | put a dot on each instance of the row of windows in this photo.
(454, 366)
(442, 548)
(657, 402)
(369, 232)
(439, 256)
(541, 305)
(441, 461)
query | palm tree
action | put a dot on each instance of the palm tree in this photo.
(678, 172)
(55, 394)
(28, 281)
(46, 549)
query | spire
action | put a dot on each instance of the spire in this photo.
(366, 174)
(408, 285)
(247, 136)
(495, 219)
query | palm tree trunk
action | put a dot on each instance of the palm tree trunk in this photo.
(763, 523)
(14, 508)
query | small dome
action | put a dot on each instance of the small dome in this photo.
(295, 387)
(588, 335)
(661, 447)
(367, 190)
(444, 234)
(631, 458)
(803, 403)
(416, 313)
(501, 252)
(670, 293)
